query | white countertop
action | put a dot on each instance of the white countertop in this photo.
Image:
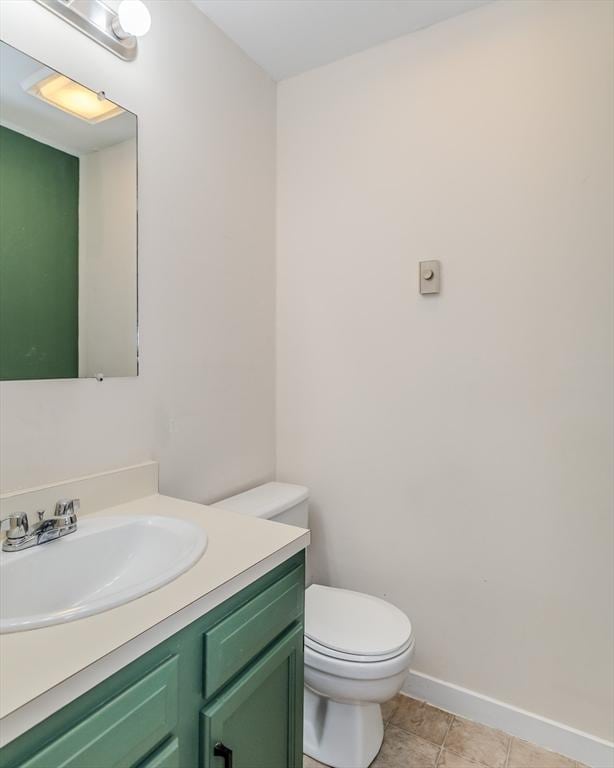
(42, 669)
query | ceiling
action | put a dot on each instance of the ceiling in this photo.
(287, 37)
(33, 117)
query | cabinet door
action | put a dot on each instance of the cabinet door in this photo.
(258, 721)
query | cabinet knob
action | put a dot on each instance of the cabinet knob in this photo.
(221, 750)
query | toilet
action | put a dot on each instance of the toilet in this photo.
(358, 648)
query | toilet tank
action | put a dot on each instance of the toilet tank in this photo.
(282, 502)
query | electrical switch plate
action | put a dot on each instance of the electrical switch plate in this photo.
(430, 276)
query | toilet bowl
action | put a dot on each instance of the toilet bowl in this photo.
(358, 649)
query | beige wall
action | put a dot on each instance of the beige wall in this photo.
(459, 447)
(204, 402)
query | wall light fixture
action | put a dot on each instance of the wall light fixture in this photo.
(112, 25)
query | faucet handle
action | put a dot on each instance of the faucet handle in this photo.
(67, 508)
(16, 524)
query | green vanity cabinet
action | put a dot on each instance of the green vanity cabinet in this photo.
(225, 690)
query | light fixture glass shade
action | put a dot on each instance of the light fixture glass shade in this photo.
(134, 17)
(74, 98)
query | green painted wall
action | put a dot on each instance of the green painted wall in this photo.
(39, 259)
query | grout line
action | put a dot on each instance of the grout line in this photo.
(391, 714)
(452, 719)
(443, 742)
(412, 733)
(509, 749)
(439, 754)
(470, 762)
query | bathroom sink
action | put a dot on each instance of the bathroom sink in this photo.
(106, 562)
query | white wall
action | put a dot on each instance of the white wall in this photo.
(107, 261)
(204, 402)
(459, 447)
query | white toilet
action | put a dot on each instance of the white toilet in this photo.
(358, 648)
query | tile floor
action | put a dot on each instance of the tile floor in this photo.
(421, 736)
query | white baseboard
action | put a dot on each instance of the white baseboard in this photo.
(583, 747)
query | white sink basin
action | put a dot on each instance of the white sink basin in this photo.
(107, 562)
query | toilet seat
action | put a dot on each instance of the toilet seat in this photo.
(354, 627)
(354, 668)
(323, 650)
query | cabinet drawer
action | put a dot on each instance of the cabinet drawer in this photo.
(121, 732)
(165, 757)
(231, 644)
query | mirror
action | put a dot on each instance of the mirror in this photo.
(68, 227)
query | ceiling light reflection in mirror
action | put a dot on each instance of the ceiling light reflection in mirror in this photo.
(74, 98)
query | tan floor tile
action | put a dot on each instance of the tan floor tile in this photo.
(404, 750)
(525, 755)
(477, 742)
(309, 762)
(389, 707)
(422, 719)
(448, 759)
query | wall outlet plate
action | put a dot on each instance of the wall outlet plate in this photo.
(430, 276)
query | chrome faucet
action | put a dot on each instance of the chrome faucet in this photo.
(20, 535)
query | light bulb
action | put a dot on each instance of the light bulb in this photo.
(133, 17)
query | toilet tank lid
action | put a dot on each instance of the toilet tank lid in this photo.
(266, 500)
